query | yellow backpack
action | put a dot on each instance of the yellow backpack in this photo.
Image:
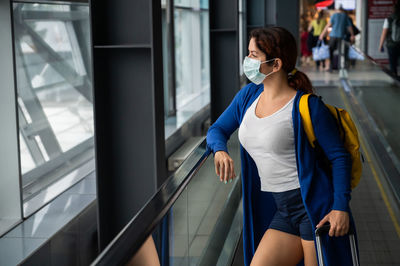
(348, 133)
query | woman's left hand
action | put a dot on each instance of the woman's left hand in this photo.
(339, 221)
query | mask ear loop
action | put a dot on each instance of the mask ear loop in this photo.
(268, 60)
(272, 72)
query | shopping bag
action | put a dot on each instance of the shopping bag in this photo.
(321, 51)
(354, 55)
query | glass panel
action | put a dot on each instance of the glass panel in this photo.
(207, 200)
(10, 186)
(212, 206)
(379, 94)
(52, 54)
(191, 62)
(205, 51)
(204, 224)
(185, 3)
(204, 4)
(179, 231)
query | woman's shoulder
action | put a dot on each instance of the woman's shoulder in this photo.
(248, 90)
(318, 109)
(315, 101)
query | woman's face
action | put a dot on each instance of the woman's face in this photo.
(257, 54)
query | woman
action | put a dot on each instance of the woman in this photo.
(286, 194)
(317, 26)
(393, 47)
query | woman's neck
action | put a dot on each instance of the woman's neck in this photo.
(276, 86)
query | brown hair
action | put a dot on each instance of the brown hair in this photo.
(320, 16)
(277, 42)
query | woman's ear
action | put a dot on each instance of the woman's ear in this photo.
(277, 64)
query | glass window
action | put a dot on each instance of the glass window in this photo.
(52, 54)
(242, 36)
(192, 70)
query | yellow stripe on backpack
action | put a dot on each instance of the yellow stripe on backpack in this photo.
(348, 133)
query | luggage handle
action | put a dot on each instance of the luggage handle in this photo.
(325, 229)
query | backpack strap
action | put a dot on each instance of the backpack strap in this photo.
(306, 118)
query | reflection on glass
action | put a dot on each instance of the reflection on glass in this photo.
(54, 91)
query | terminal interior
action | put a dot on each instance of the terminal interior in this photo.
(105, 108)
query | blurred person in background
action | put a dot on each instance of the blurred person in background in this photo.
(316, 27)
(304, 49)
(391, 34)
(340, 23)
(347, 38)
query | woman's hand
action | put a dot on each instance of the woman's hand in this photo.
(339, 221)
(224, 166)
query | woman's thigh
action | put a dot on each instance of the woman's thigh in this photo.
(278, 248)
(310, 256)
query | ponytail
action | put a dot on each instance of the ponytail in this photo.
(299, 81)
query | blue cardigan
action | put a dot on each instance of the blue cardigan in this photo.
(320, 193)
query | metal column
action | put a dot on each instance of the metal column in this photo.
(287, 16)
(224, 54)
(129, 113)
(10, 183)
(265, 13)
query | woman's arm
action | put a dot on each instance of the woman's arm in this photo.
(327, 134)
(221, 130)
(385, 30)
(328, 137)
(383, 38)
(321, 36)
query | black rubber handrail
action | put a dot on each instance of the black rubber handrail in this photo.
(134, 234)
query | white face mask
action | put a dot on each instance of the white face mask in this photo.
(251, 68)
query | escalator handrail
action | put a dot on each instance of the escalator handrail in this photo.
(134, 234)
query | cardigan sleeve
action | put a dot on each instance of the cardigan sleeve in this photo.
(327, 134)
(221, 130)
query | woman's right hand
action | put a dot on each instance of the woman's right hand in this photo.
(224, 166)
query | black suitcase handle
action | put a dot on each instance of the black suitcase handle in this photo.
(324, 229)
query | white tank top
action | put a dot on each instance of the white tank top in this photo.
(270, 142)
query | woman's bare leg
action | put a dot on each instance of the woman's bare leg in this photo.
(278, 248)
(310, 256)
(146, 255)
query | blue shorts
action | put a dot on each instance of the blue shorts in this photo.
(291, 216)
